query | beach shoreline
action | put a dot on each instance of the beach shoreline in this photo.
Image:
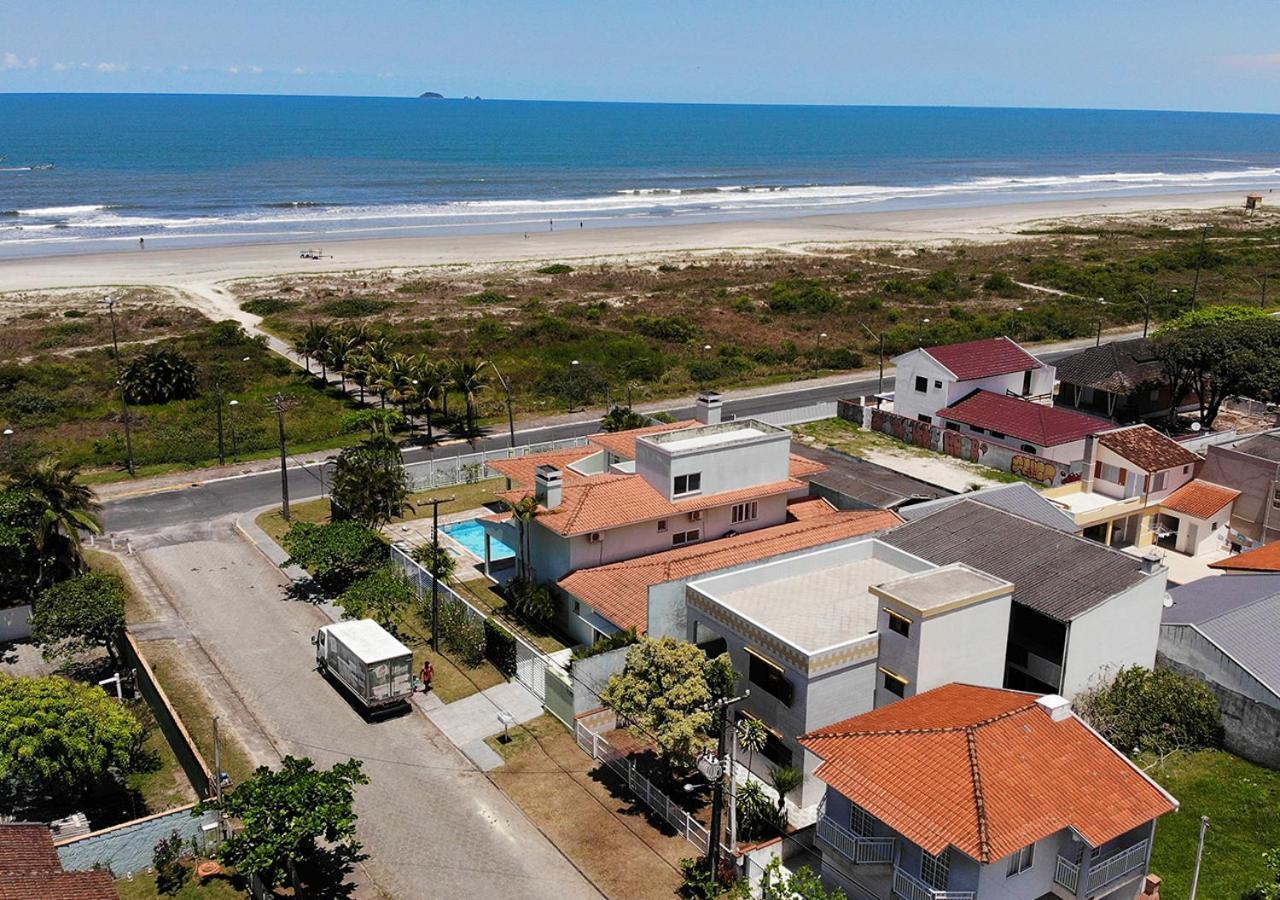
(183, 268)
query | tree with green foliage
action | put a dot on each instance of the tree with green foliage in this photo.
(81, 614)
(59, 736)
(751, 736)
(1219, 352)
(159, 375)
(530, 601)
(802, 884)
(667, 687)
(311, 345)
(623, 418)
(20, 557)
(523, 512)
(385, 596)
(1155, 711)
(437, 560)
(576, 385)
(336, 554)
(285, 815)
(369, 482)
(469, 379)
(65, 508)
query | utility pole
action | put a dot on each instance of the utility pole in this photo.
(719, 771)
(878, 337)
(217, 393)
(124, 402)
(217, 772)
(281, 404)
(1195, 288)
(231, 411)
(1195, 877)
(435, 556)
(511, 418)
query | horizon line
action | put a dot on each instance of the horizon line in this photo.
(478, 99)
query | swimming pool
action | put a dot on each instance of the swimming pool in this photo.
(470, 534)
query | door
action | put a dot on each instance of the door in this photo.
(321, 639)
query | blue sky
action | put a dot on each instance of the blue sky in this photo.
(1176, 54)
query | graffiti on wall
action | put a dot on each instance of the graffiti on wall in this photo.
(909, 431)
(963, 446)
(1036, 469)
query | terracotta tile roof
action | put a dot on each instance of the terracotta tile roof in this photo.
(620, 591)
(30, 868)
(802, 467)
(520, 469)
(1262, 559)
(609, 501)
(985, 770)
(983, 359)
(1199, 498)
(809, 508)
(1035, 423)
(623, 443)
(1147, 448)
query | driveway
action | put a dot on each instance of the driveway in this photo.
(432, 824)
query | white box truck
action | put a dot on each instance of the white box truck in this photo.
(372, 665)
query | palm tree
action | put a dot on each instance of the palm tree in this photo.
(432, 383)
(312, 342)
(380, 349)
(358, 370)
(752, 736)
(469, 378)
(402, 378)
(66, 506)
(524, 511)
(382, 379)
(785, 779)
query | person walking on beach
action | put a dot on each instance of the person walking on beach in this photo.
(141, 242)
(553, 224)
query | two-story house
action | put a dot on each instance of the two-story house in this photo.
(930, 379)
(965, 792)
(1251, 465)
(1140, 488)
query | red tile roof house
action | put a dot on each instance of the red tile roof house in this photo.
(1034, 428)
(689, 483)
(31, 870)
(931, 379)
(967, 792)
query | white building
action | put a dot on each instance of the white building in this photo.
(930, 379)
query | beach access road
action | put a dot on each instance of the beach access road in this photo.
(431, 823)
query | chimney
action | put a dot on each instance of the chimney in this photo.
(1058, 708)
(548, 486)
(1150, 563)
(708, 408)
(1090, 448)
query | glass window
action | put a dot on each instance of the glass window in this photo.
(934, 870)
(894, 684)
(775, 748)
(925, 419)
(997, 434)
(688, 484)
(769, 677)
(1022, 860)
(662, 524)
(1027, 448)
(861, 822)
(743, 512)
(1157, 482)
(899, 624)
(922, 384)
(937, 385)
(680, 538)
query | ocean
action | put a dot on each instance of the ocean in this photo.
(86, 172)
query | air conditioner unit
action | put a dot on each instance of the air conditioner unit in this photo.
(695, 516)
(595, 537)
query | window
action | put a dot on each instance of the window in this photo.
(1021, 860)
(899, 624)
(1275, 499)
(937, 385)
(997, 434)
(934, 870)
(743, 512)
(1186, 469)
(1157, 482)
(1026, 382)
(775, 748)
(976, 430)
(893, 683)
(925, 419)
(662, 525)
(922, 384)
(688, 484)
(861, 822)
(769, 677)
(680, 538)
(952, 426)
(1027, 448)
(1111, 473)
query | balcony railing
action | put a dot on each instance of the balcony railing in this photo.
(1104, 873)
(911, 888)
(854, 847)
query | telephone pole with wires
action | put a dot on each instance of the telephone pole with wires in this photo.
(716, 771)
(281, 404)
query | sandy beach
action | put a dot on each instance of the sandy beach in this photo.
(198, 270)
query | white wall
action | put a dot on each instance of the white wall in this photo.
(906, 400)
(750, 461)
(1196, 535)
(1124, 631)
(967, 645)
(1135, 479)
(994, 882)
(15, 623)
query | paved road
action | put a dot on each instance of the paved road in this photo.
(433, 825)
(243, 493)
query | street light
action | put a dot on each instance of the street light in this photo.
(8, 445)
(124, 403)
(1262, 303)
(878, 337)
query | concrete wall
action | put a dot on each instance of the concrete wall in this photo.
(1253, 514)
(965, 645)
(590, 675)
(15, 623)
(1048, 472)
(1124, 631)
(1250, 713)
(1136, 483)
(128, 848)
(731, 466)
(559, 699)
(994, 881)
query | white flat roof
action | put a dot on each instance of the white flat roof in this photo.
(368, 640)
(1081, 502)
(713, 438)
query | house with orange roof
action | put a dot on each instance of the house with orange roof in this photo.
(1139, 488)
(687, 484)
(966, 792)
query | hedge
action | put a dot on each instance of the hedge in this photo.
(500, 647)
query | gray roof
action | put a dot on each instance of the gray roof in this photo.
(1266, 446)
(1021, 499)
(1054, 573)
(1238, 613)
(1120, 367)
(866, 482)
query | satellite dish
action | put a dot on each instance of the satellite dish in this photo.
(1195, 426)
(1168, 601)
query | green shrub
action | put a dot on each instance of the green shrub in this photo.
(337, 554)
(500, 648)
(166, 859)
(1155, 711)
(158, 376)
(73, 314)
(999, 283)
(805, 295)
(946, 283)
(383, 596)
(555, 269)
(674, 329)
(529, 600)
(488, 295)
(355, 307)
(460, 634)
(266, 306)
(615, 641)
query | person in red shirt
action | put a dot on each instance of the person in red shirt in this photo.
(428, 672)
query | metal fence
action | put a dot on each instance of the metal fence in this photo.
(531, 663)
(645, 790)
(468, 468)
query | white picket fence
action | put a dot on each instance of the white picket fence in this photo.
(468, 468)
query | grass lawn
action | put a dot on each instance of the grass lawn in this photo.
(465, 496)
(480, 592)
(453, 680)
(142, 886)
(607, 835)
(165, 785)
(1242, 801)
(193, 708)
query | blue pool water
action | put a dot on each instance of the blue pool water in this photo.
(470, 534)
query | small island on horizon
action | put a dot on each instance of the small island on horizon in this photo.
(430, 95)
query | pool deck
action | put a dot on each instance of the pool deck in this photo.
(417, 532)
